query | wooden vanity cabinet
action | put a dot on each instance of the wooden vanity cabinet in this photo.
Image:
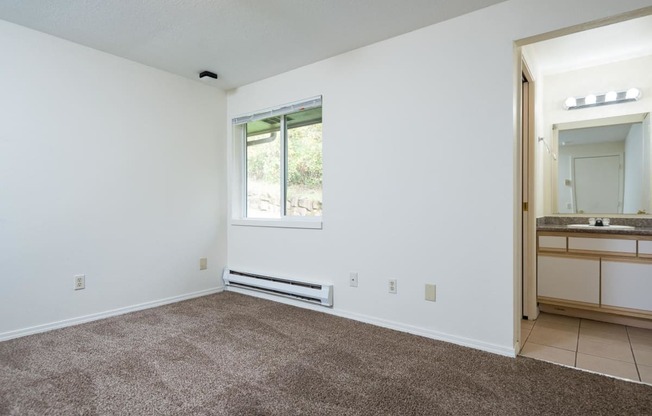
(569, 278)
(597, 272)
(627, 284)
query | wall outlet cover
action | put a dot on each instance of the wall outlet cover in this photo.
(353, 279)
(392, 286)
(203, 263)
(80, 282)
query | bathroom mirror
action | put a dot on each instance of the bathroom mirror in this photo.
(603, 166)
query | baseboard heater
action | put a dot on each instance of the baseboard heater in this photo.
(309, 291)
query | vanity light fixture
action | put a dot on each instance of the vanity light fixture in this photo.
(590, 99)
(633, 94)
(570, 102)
(594, 100)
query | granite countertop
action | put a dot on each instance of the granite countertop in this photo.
(642, 226)
(596, 230)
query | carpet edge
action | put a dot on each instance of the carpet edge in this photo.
(18, 333)
(396, 326)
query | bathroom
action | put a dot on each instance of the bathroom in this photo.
(584, 302)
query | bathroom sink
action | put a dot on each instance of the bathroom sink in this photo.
(611, 226)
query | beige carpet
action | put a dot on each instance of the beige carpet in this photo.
(229, 354)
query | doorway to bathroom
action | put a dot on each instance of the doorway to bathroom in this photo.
(553, 67)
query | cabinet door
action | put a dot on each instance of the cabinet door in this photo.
(604, 245)
(569, 278)
(552, 243)
(627, 285)
(644, 248)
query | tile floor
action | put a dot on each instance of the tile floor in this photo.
(616, 350)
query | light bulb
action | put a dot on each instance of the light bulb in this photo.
(590, 99)
(633, 94)
(570, 102)
(610, 96)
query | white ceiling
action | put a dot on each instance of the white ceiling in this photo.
(241, 40)
(612, 43)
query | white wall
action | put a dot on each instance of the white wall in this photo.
(634, 175)
(647, 161)
(107, 168)
(399, 117)
(599, 79)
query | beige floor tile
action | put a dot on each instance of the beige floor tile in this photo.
(640, 335)
(556, 321)
(642, 354)
(546, 353)
(526, 323)
(607, 366)
(641, 342)
(615, 350)
(525, 333)
(559, 337)
(604, 330)
(605, 338)
(645, 371)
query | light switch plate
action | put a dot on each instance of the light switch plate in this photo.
(431, 292)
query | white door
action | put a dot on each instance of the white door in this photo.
(598, 184)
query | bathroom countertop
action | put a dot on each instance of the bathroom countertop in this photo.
(596, 230)
(642, 226)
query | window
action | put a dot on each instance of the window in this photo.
(282, 161)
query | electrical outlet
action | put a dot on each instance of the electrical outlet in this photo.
(353, 279)
(80, 282)
(431, 292)
(203, 263)
(392, 286)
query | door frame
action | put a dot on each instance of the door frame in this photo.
(524, 203)
(529, 307)
(518, 66)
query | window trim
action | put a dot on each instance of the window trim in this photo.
(284, 109)
(313, 223)
(239, 212)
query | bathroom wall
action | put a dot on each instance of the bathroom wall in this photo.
(635, 180)
(599, 79)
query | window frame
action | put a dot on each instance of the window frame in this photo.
(239, 124)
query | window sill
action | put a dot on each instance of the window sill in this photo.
(314, 223)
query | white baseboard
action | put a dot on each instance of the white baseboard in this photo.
(4, 336)
(428, 333)
(397, 326)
